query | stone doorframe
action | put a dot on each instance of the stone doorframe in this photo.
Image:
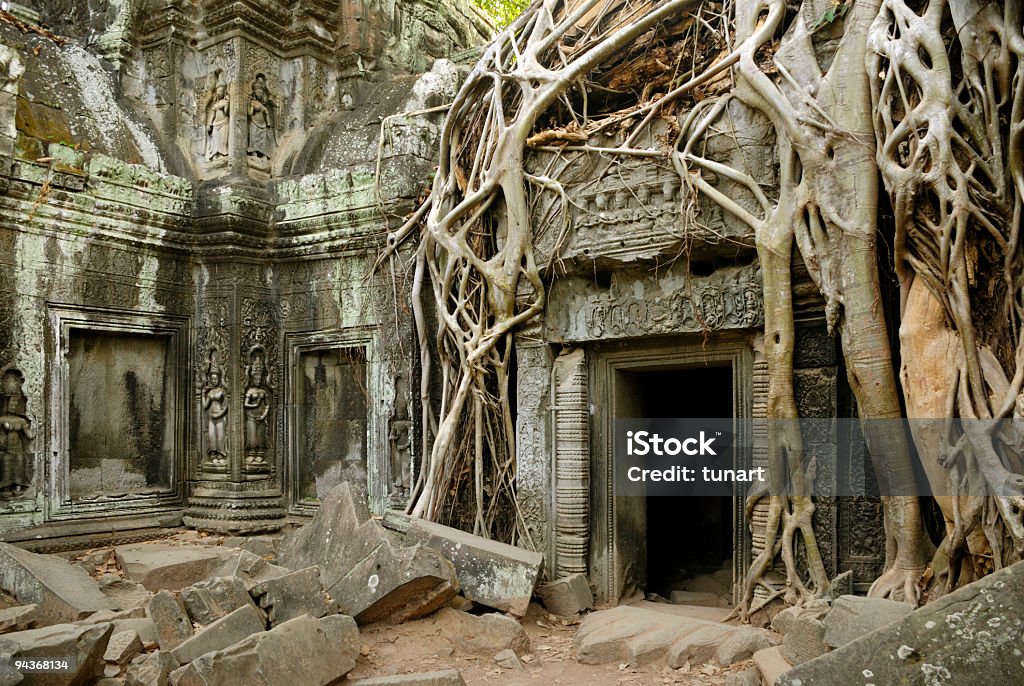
(607, 551)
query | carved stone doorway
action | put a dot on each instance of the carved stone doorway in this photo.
(651, 544)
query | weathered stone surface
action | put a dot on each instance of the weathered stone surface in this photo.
(509, 660)
(264, 546)
(698, 598)
(8, 675)
(804, 641)
(772, 665)
(151, 669)
(307, 651)
(18, 618)
(483, 634)
(173, 627)
(748, 677)
(124, 594)
(249, 567)
(165, 566)
(783, 621)
(113, 615)
(226, 631)
(63, 592)
(494, 574)
(632, 634)
(123, 647)
(293, 595)
(742, 644)
(567, 596)
(362, 570)
(853, 616)
(143, 626)
(208, 601)
(443, 677)
(699, 646)
(974, 635)
(86, 643)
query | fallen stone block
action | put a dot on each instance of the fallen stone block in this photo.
(698, 598)
(772, 665)
(699, 646)
(85, 643)
(307, 651)
(18, 618)
(152, 669)
(483, 634)
(853, 616)
(226, 631)
(509, 660)
(62, 591)
(264, 546)
(742, 645)
(113, 615)
(8, 675)
(784, 620)
(443, 677)
(173, 626)
(143, 626)
(208, 601)
(974, 635)
(490, 573)
(166, 566)
(363, 570)
(631, 634)
(567, 596)
(250, 568)
(748, 677)
(293, 595)
(124, 594)
(804, 641)
(122, 647)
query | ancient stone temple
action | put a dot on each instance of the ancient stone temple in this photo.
(191, 194)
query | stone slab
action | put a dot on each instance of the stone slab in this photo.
(209, 600)
(62, 591)
(483, 634)
(152, 669)
(167, 566)
(362, 569)
(853, 616)
(18, 618)
(772, 665)
(307, 651)
(86, 643)
(490, 573)
(636, 635)
(173, 626)
(567, 596)
(441, 677)
(974, 635)
(123, 647)
(249, 567)
(293, 595)
(226, 631)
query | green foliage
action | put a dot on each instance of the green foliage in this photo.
(502, 12)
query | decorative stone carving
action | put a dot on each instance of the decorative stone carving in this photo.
(262, 136)
(572, 464)
(215, 409)
(256, 404)
(15, 436)
(218, 119)
(400, 446)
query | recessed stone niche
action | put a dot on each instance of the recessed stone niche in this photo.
(121, 411)
(331, 421)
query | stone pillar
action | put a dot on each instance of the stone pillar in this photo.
(533, 439)
(570, 418)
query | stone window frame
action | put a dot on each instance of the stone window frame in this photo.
(64, 319)
(300, 343)
(604, 360)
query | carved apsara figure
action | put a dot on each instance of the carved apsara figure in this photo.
(218, 117)
(15, 435)
(215, 408)
(261, 119)
(257, 408)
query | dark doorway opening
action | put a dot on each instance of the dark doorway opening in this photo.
(687, 538)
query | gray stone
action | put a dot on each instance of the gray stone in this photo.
(772, 665)
(143, 626)
(490, 573)
(307, 651)
(509, 660)
(250, 568)
(699, 646)
(443, 677)
(226, 631)
(8, 675)
(483, 634)
(698, 598)
(974, 635)
(783, 621)
(173, 627)
(293, 595)
(113, 615)
(18, 618)
(567, 596)
(166, 566)
(124, 594)
(853, 616)
(748, 677)
(208, 601)
(110, 671)
(362, 570)
(741, 645)
(804, 641)
(123, 647)
(62, 591)
(152, 669)
(631, 634)
(264, 546)
(86, 643)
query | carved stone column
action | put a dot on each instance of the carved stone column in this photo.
(533, 439)
(572, 463)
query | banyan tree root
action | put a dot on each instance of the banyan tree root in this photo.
(811, 69)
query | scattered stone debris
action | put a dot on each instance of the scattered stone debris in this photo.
(225, 632)
(444, 677)
(490, 573)
(853, 616)
(771, 664)
(293, 595)
(151, 669)
(123, 593)
(18, 618)
(63, 592)
(264, 546)
(168, 566)
(483, 634)
(974, 635)
(173, 626)
(86, 644)
(123, 647)
(209, 600)
(509, 660)
(567, 596)
(748, 677)
(249, 567)
(363, 569)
